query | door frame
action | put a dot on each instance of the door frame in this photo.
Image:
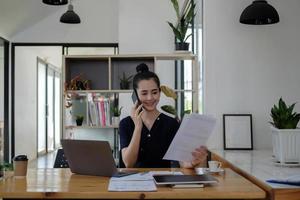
(11, 145)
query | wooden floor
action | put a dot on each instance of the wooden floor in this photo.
(45, 161)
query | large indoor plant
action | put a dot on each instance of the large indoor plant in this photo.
(184, 19)
(168, 92)
(285, 134)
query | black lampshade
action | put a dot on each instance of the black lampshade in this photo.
(259, 13)
(55, 2)
(70, 17)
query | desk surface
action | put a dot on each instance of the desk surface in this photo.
(61, 183)
(258, 166)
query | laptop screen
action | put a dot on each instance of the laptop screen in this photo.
(89, 157)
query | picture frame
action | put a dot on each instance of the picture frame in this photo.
(237, 132)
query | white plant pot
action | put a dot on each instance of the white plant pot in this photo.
(286, 145)
(115, 121)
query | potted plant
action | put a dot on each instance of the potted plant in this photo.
(116, 115)
(184, 19)
(79, 120)
(285, 134)
(125, 81)
(168, 108)
(6, 169)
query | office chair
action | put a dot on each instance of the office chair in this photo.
(60, 160)
(121, 163)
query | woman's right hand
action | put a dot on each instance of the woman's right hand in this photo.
(136, 115)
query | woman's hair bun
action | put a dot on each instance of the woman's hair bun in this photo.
(141, 68)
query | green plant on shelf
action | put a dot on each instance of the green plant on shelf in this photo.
(116, 111)
(79, 120)
(184, 19)
(125, 81)
(168, 108)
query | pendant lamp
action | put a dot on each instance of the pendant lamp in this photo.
(55, 2)
(70, 17)
(259, 13)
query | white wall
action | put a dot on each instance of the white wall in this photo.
(248, 68)
(26, 95)
(143, 26)
(98, 24)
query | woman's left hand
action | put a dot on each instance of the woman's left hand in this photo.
(199, 156)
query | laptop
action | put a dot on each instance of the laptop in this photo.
(90, 157)
(184, 179)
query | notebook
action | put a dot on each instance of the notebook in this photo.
(184, 179)
(90, 157)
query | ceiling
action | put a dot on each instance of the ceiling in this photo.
(17, 15)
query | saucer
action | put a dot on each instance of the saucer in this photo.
(200, 170)
(215, 171)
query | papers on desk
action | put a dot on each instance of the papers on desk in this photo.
(291, 180)
(137, 182)
(193, 132)
(131, 186)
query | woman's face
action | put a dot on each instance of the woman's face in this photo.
(149, 94)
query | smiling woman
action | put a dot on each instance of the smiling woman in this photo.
(146, 134)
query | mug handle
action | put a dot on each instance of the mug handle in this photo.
(219, 165)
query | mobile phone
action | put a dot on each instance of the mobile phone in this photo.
(135, 97)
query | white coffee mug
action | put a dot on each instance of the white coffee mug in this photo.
(214, 165)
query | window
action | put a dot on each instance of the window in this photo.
(49, 108)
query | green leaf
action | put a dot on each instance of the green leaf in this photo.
(169, 109)
(176, 8)
(176, 32)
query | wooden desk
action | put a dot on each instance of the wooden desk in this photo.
(61, 184)
(258, 166)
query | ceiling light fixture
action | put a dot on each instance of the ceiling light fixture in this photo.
(70, 17)
(259, 13)
(55, 2)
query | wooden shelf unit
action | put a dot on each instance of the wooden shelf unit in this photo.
(104, 72)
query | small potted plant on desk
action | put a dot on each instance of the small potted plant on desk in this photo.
(79, 120)
(285, 134)
(116, 115)
(6, 169)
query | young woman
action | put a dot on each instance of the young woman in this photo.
(146, 134)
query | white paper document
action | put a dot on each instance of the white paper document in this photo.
(145, 176)
(143, 181)
(193, 132)
(130, 186)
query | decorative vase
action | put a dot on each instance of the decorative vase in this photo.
(183, 46)
(286, 145)
(115, 120)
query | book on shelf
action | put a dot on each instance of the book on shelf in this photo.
(99, 111)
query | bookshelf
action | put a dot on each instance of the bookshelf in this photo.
(100, 87)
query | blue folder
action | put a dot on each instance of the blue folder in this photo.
(291, 180)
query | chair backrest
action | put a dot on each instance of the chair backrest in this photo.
(60, 160)
(121, 163)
